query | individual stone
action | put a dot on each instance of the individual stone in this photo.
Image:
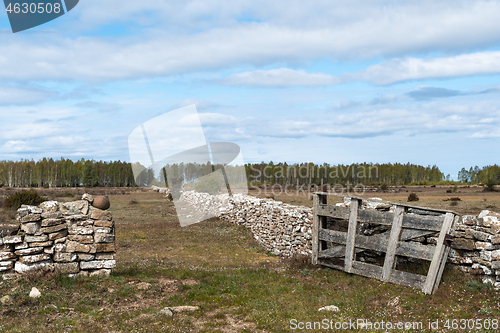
(85, 223)
(469, 220)
(167, 312)
(98, 214)
(67, 268)
(8, 229)
(97, 264)
(22, 267)
(31, 218)
(52, 215)
(7, 256)
(103, 230)
(13, 239)
(495, 265)
(7, 300)
(80, 231)
(32, 209)
(186, 308)
(72, 246)
(49, 206)
(75, 218)
(74, 207)
(52, 222)
(488, 218)
(495, 239)
(103, 223)
(101, 202)
(64, 257)
(48, 250)
(105, 256)
(42, 244)
(484, 246)
(21, 246)
(463, 244)
(35, 293)
(495, 255)
(36, 239)
(53, 229)
(6, 265)
(482, 236)
(86, 256)
(34, 258)
(84, 239)
(88, 197)
(28, 251)
(58, 235)
(104, 238)
(30, 228)
(105, 247)
(485, 255)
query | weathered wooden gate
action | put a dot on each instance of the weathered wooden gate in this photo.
(337, 240)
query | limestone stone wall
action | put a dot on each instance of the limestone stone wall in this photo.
(73, 238)
(286, 230)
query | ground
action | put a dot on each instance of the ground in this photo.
(238, 287)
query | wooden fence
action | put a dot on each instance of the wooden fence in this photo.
(337, 241)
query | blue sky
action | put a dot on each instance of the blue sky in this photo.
(295, 81)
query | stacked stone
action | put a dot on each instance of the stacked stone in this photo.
(73, 238)
(476, 246)
(280, 228)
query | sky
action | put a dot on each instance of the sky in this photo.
(288, 81)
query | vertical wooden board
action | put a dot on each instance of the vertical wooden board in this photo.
(392, 245)
(315, 231)
(445, 257)
(438, 255)
(322, 199)
(351, 235)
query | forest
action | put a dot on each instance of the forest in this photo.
(69, 173)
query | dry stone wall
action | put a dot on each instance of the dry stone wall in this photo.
(73, 238)
(286, 230)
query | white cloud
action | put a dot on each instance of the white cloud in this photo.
(280, 77)
(397, 70)
(213, 35)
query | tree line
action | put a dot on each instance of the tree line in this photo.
(69, 173)
(65, 173)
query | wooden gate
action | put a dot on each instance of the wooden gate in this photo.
(337, 240)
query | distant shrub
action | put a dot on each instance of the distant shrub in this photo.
(383, 187)
(30, 197)
(490, 185)
(413, 197)
(433, 185)
(133, 202)
(454, 203)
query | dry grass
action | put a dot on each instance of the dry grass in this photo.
(219, 267)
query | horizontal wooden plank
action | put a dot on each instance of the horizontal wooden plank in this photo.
(412, 221)
(379, 243)
(338, 267)
(333, 211)
(368, 270)
(407, 279)
(396, 277)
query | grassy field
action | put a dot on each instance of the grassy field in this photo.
(218, 267)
